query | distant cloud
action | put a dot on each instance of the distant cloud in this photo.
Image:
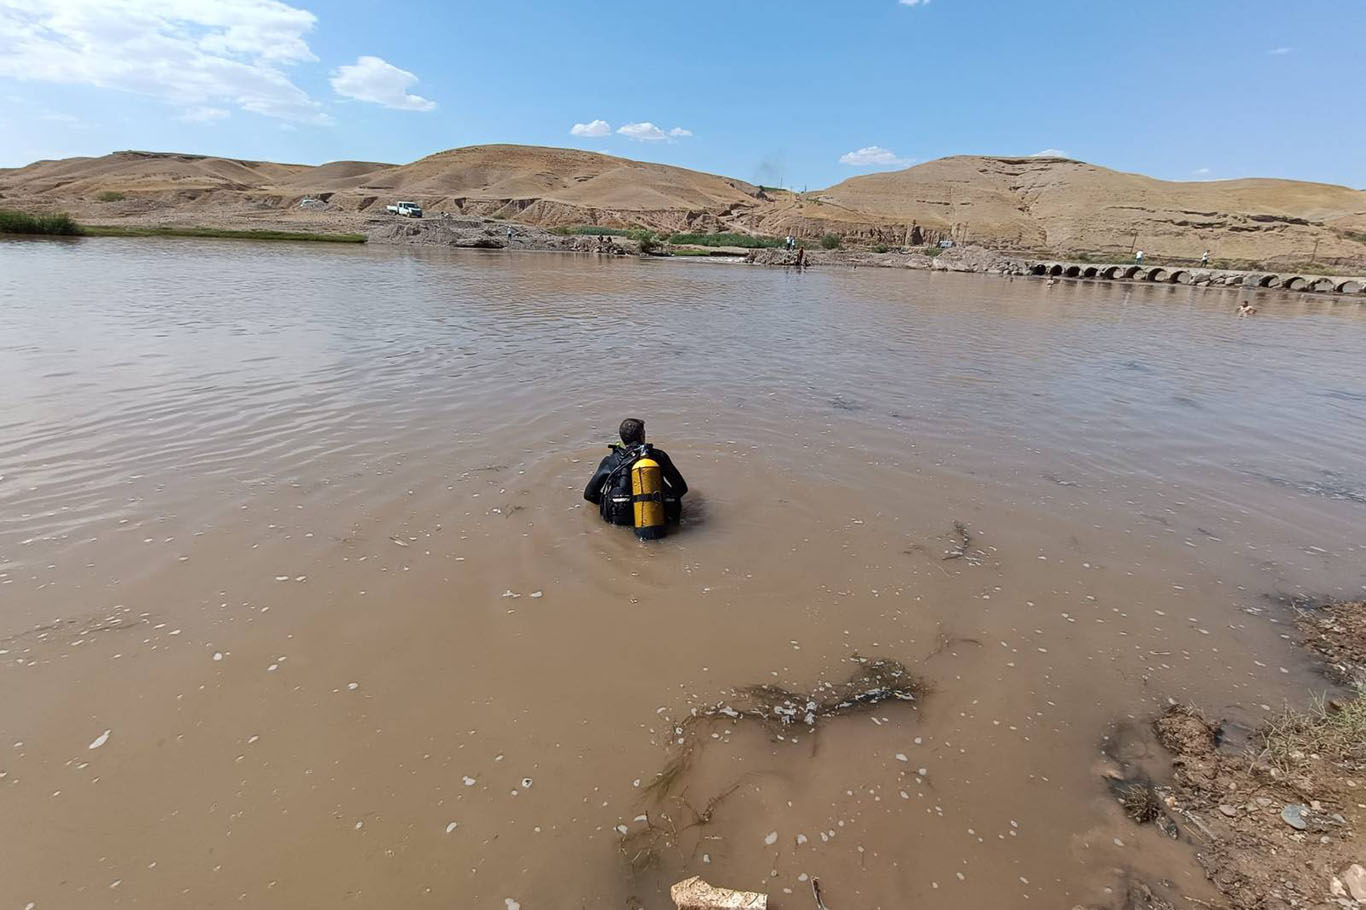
(646, 131)
(1201, 172)
(1280, 51)
(593, 129)
(204, 115)
(187, 52)
(874, 156)
(914, 2)
(1050, 153)
(377, 81)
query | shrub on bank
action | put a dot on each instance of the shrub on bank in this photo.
(749, 241)
(831, 242)
(110, 196)
(12, 222)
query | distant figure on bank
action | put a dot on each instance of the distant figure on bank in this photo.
(615, 487)
(1204, 258)
(790, 243)
(1246, 308)
(1138, 257)
(509, 233)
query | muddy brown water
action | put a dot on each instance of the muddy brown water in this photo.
(301, 528)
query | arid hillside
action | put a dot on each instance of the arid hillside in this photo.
(1048, 206)
(1056, 204)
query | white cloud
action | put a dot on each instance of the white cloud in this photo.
(593, 129)
(914, 2)
(1202, 172)
(376, 80)
(874, 155)
(648, 132)
(203, 114)
(1050, 153)
(187, 52)
(1280, 51)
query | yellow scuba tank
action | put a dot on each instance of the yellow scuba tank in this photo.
(647, 497)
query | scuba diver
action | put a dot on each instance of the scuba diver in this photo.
(637, 484)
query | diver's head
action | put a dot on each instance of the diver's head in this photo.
(632, 431)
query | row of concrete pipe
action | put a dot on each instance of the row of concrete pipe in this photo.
(1220, 277)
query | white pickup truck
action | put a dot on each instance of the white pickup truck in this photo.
(406, 209)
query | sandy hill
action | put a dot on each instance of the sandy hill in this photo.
(1045, 205)
(1064, 205)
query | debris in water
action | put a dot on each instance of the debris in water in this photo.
(218, 655)
(100, 740)
(526, 783)
(512, 904)
(695, 894)
(469, 781)
(778, 709)
(353, 686)
(771, 838)
(537, 594)
(510, 593)
(452, 826)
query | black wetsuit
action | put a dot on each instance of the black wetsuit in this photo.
(610, 486)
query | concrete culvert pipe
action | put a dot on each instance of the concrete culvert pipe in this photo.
(1180, 278)
(1294, 283)
(1090, 272)
(1055, 271)
(1350, 287)
(1157, 275)
(1072, 271)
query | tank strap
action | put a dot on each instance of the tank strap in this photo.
(657, 496)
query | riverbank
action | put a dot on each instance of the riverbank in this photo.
(1274, 817)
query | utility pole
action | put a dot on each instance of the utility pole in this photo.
(1133, 246)
(1313, 257)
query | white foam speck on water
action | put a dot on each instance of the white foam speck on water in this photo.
(801, 839)
(469, 781)
(282, 578)
(771, 838)
(360, 825)
(901, 756)
(452, 826)
(511, 593)
(30, 905)
(622, 829)
(252, 740)
(100, 740)
(272, 668)
(218, 655)
(512, 904)
(526, 783)
(538, 594)
(353, 686)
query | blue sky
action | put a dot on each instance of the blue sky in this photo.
(798, 93)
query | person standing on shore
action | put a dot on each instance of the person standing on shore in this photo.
(1138, 257)
(1204, 259)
